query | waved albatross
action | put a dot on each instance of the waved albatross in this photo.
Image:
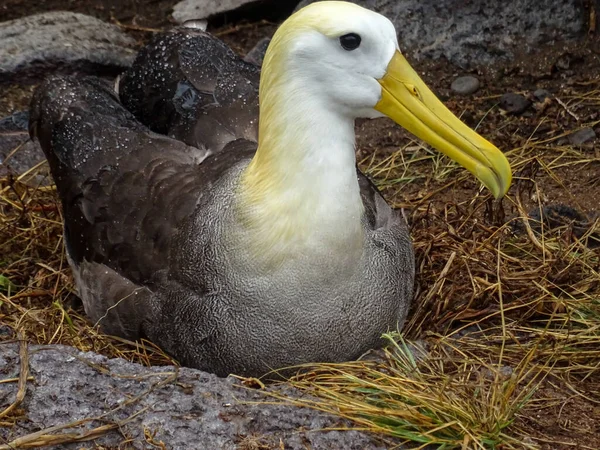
(242, 247)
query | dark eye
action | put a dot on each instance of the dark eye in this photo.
(350, 41)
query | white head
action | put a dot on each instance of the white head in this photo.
(338, 51)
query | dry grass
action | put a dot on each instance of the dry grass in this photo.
(36, 286)
(506, 319)
(498, 317)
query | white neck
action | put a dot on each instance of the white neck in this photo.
(300, 193)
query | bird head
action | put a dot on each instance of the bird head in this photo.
(349, 58)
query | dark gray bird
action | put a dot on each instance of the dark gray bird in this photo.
(236, 246)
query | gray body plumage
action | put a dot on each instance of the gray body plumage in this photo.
(154, 237)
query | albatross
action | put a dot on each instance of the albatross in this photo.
(224, 218)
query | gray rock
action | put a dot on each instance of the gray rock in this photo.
(196, 410)
(18, 121)
(6, 332)
(18, 153)
(469, 33)
(582, 136)
(563, 62)
(257, 54)
(514, 103)
(195, 24)
(541, 94)
(465, 85)
(22, 155)
(202, 9)
(67, 41)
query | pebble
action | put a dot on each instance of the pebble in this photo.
(6, 331)
(556, 215)
(564, 62)
(541, 94)
(18, 121)
(465, 85)
(195, 24)
(582, 136)
(514, 103)
(14, 135)
(257, 54)
(202, 9)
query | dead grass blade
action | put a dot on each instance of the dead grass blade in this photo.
(23, 376)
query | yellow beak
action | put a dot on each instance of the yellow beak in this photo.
(411, 104)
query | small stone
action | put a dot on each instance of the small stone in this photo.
(202, 9)
(563, 62)
(257, 54)
(6, 331)
(506, 372)
(514, 103)
(18, 153)
(541, 94)
(18, 121)
(582, 136)
(195, 24)
(465, 85)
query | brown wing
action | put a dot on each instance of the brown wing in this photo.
(189, 85)
(125, 190)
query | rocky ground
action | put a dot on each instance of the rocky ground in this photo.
(181, 407)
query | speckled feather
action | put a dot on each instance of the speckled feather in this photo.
(186, 82)
(149, 222)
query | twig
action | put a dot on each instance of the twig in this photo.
(530, 232)
(134, 27)
(241, 27)
(23, 375)
(15, 150)
(434, 289)
(564, 105)
(33, 293)
(12, 380)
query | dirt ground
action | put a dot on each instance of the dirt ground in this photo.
(550, 169)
